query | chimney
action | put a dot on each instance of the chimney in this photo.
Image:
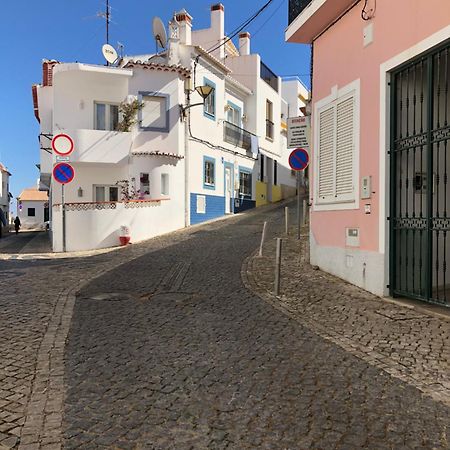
(47, 72)
(185, 21)
(244, 44)
(218, 27)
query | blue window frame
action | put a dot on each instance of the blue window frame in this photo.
(154, 114)
(245, 182)
(209, 108)
(209, 173)
(234, 114)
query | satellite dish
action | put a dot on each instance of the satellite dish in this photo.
(159, 32)
(109, 53)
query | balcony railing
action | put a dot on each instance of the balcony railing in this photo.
(236, 136)
(269, 129)
(268, 76)
(296, 7)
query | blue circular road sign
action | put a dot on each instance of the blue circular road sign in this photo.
(63, 173)
(299, 159)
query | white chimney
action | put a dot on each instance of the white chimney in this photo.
(244, 43)
(218, 27)
(185, 21)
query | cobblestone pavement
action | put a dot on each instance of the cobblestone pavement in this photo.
(171, 350)
(35, 310)
(407, 342)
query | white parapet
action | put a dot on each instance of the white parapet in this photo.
(97, 225)
(98, 146)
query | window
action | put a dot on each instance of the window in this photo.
(268, 76)
(144, 186)
(261, 167)
(106, 193)
(245, 183)
(209, 173)
(31, 212)
(209, 108)
(269, 119)
(164, 184)
(234, 114)
(154, 115)
(336, 150)
(106, 116)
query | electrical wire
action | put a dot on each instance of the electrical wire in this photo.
(241, 27)
(364, 14)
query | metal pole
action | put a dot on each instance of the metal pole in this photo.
(286, 219)
(304, 212)
(278, 267)
(298, 205)
(186, 157)
(263, 238)
(63, 206)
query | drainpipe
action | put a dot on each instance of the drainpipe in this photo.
(186, 153)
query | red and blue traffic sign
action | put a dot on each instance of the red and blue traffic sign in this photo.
(299, 159)
(63, 173)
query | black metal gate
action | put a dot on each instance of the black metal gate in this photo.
(420, 169)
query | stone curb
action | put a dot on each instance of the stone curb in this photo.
(437, 392)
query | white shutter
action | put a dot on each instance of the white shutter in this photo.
(326, 153)
(344, 148)
(153, 112)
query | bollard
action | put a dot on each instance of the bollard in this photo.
(278, 267)
(263, 238)
(286, 219)
(304, 212)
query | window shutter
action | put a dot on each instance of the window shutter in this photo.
(344, 147)
(326, 153)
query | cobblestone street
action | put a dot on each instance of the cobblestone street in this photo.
(168, 348)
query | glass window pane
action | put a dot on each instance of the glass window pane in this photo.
(99, 193)
(164, 184)
(113, 194)
(100, 116)
(113, 117)
(144, 184)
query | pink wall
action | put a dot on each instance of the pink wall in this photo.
(340, 58)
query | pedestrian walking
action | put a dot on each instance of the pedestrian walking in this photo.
(17, 224)
(2, 221)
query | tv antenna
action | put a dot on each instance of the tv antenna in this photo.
(159, 33)
(107, 16)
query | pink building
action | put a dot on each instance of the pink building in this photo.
(380, 187)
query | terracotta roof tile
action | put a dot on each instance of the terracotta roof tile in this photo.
(33, 194)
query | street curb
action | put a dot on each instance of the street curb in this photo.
(436, 391)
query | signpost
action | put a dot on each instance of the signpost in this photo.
(63, 173)
(298, 160)
(298, 131)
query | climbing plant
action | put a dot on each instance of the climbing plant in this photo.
(129, 114)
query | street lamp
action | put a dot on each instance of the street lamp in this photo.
(204, 92)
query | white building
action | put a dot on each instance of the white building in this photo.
(32, 208)
(5, 196)
(176, 166)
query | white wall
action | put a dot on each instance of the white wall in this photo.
(93, 229)
(31, 222)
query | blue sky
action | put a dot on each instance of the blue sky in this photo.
(70, 31)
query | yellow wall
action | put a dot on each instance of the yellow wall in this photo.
(261, 193)
(276, 194)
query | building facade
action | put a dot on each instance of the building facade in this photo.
(5, 196)
(33, 209)
(380, 109)
(184, 160)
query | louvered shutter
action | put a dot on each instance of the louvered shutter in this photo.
(326, 153)
(344, 148)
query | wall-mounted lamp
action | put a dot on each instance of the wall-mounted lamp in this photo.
(80, 192)
(204, 91)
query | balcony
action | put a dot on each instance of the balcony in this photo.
(308, 18)
(98, 146)
(237, 136)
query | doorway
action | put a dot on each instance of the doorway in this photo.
(228, 188)
(420, 169)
